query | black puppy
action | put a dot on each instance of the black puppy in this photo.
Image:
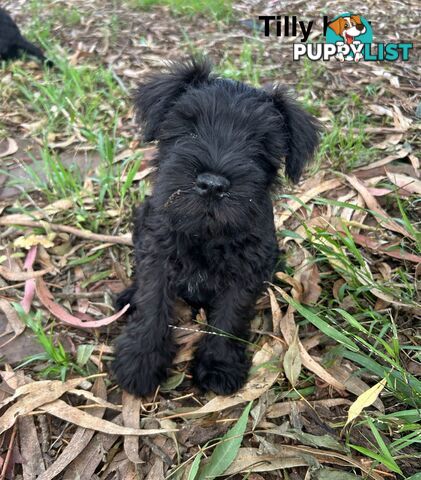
(207, 232)
(12, 43)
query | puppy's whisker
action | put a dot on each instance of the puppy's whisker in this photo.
(174, 196)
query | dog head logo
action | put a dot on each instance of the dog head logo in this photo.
(348, 27)
(352, 31)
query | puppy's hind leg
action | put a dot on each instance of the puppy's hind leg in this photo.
(145, 350)
(125, 297)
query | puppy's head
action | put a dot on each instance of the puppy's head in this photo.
(221, 144)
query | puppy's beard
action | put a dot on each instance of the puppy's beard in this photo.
(193, 215)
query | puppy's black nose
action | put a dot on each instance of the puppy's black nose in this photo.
(360, 27)
(211, 184)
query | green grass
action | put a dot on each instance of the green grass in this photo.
(345, 143)
(215, 9)
(111, 187)
(55, 361)
(68, 16)
(76, 100)
(343, 146)
(84, 103)
(245, 67)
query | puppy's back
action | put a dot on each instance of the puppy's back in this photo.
(9, 32)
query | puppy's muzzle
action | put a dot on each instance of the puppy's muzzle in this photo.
(211, 184)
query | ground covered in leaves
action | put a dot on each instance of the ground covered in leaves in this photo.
(334, 392)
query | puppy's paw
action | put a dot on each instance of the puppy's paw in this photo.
(137, 370)
(221, 370)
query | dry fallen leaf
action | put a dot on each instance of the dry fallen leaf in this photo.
(294, 205)
(252, 460)
(382, 216)
(385, 249)
(14, 276)
(92, 398)
(297, 289)
(32, 459)
(32, 396)
(380, 110)
(389, 140)
(411, 185)
(393, 79)
(288, 456)
(12, 147)
(66, 412)
(365, 400)
(27, 221)
(401, 153)
(415, 164)
(276, 312)
(29, 291)
(365, 277)
(46, 298)
(285, 408)
(307, 273)
(64, 143)
(399, 120)
(84, 466)
(140, 175)
(157, 470)
(288, 328)
(292, 361)
(31, 240)
(80, 439)
(353, 383)
(131, 418)
(13, 320)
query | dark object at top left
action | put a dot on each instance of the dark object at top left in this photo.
(13, 44)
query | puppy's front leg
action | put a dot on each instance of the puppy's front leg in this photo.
(145, 349)
(221, 363)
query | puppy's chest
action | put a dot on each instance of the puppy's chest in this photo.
(203, 269)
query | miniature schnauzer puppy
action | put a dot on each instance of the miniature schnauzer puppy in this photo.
(12, 43)
(207, 232)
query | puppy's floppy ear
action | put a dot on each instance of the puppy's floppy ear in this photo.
(155, 97)
(302, 132)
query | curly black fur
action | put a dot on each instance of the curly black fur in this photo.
(12, 43)
(207, 232)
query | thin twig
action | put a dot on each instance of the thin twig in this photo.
(78, 295)
(86, 234)
(8, 454)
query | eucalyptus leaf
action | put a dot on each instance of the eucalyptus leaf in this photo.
(83, 354)
(330, 474)
(227, 449)
(194, 469)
